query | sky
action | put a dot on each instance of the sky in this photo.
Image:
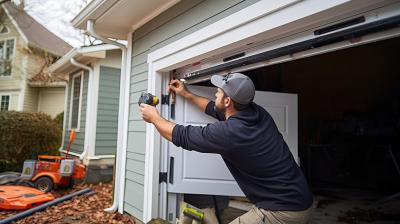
(56, 15)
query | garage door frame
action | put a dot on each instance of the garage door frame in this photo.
(228, 33)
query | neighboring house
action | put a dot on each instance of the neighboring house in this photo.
(91, 106)
(193, 39)
(26, 49)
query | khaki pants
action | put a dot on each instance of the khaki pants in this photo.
(261, 216)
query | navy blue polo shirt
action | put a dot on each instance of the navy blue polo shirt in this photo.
(255, 153)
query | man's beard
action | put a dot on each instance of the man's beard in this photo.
(220, 109)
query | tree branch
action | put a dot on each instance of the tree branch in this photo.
(4, 1)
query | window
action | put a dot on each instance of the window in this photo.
(3, 29)
(4, 103)
(6, 55)
(76, 101)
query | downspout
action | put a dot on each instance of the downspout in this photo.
(122, 117)
(89, 107)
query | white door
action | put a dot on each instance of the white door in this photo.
(202, 173)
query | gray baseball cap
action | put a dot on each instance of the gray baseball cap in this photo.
(237, 86)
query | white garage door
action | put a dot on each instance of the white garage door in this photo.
(201, 173)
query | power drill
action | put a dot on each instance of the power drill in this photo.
(149, 99)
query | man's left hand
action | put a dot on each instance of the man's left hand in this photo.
(149, 113)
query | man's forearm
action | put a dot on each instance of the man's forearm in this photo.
(199, 101)
(165, 127)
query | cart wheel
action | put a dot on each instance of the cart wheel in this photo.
(44, 184)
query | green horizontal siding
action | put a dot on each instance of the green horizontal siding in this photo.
(135, 143)
(180, 20)
(107, 111)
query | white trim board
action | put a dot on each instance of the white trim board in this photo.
(256, 48)
(152, 156)
(8, 92)
(153, 14)
(92, 118)
(252, 25)
(16, 25)
(81, 51)
(245, 26)
(71, 153)
(65, 117)
(100, 157)
(88, 157)
(21, 98)
(102, 10)
(86, 13)
(231, 22)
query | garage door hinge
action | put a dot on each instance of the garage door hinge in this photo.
(163, 178)
(165, 99)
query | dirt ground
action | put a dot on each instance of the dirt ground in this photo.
(347, 207)
(355, 207)
(81, 209)
(344, 207)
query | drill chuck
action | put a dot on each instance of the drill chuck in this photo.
(149, 99)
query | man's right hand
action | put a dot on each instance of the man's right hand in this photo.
(179, 88)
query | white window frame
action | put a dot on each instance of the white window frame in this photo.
(5, 39)
(77, 129)
(9, 100)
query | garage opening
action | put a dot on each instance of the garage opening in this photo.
(349, 108)
(349, 126)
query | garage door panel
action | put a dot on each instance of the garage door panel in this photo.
(202, 173)
(214, 170)
(280, 117)
(200, 118)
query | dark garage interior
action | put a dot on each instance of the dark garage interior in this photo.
(349, 114)
(349, 129)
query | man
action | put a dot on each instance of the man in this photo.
(257, 155)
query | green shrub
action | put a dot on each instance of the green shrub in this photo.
(59, 119)
(25, 135)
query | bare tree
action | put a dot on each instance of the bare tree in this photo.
(3, 1)
(56, 16)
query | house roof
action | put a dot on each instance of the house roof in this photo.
(45, 79)
(34, 33)
(83, 54)
(116, 18)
